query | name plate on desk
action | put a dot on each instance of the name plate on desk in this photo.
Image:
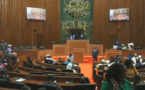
(69, 82)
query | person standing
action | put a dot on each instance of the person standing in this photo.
(3, 46)
(95, 54)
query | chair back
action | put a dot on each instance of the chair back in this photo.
(49, 87)
(85, 87)
(140, 87)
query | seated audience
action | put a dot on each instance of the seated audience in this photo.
(101, 64)
(13, 64)
(117, 43)
(70, 57)
(131, 46)
(123, 47)
(130, 56)
(138, 64)
(112, 61)
(137, 80)
(9, 50)
(51, 82)
(134, 58)
(48, 58)
(115, 78)
(118, 59)
(131, 70)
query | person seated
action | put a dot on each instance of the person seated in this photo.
(50, 80)
(118, 59)
(134, 58)
(9, 50)
(70, 57)
(117, 43)
(138, 64)
(130, 56)
(131, 46)
(112, 61)
(102, 63)
(115, 78)
(123, 47)
(48, 59)
(131, 70)
(13, 64)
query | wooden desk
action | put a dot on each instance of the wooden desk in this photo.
(65, 49)
(125, 53)
(25, 69)
(1, 88)
(36, 62)
(38, 79)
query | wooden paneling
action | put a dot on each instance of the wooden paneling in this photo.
(17, 30)
(79, 55)
(59, 50)
(78, 44)
(99, 47)
(107, 32)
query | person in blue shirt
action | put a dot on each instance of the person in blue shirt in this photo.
(117, 43)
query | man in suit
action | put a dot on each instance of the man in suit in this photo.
(95, 54)
(72, 36)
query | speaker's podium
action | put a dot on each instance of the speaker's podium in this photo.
(78, 55)
(79, 48)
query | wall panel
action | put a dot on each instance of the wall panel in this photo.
(107, 32)
(17, 30)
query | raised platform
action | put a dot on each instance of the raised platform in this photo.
(87, 59)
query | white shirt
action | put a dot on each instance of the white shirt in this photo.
(70, 58)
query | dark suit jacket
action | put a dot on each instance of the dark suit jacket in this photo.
(95, 53)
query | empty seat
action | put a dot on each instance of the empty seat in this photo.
(67, 70)
(140, 87)
(97, 42)
(22, 48)
(35, 72)
(16, 85)
(34, 47)
(42, 48)
(137, 48)
(53, 42)
(28, 47)
(24, 63)
(85, 87)
(15, 48)
(48, 87)
(51, 69)
(37, 67)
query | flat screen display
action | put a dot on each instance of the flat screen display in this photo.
(121, 14)
(36, 13)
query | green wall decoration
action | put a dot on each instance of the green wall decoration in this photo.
(76, 14)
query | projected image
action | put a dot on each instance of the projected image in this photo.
(119, 14)
(36, 13)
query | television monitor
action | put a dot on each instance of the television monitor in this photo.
(121, 14)
(36, 13)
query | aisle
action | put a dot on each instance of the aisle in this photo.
(87, 70)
